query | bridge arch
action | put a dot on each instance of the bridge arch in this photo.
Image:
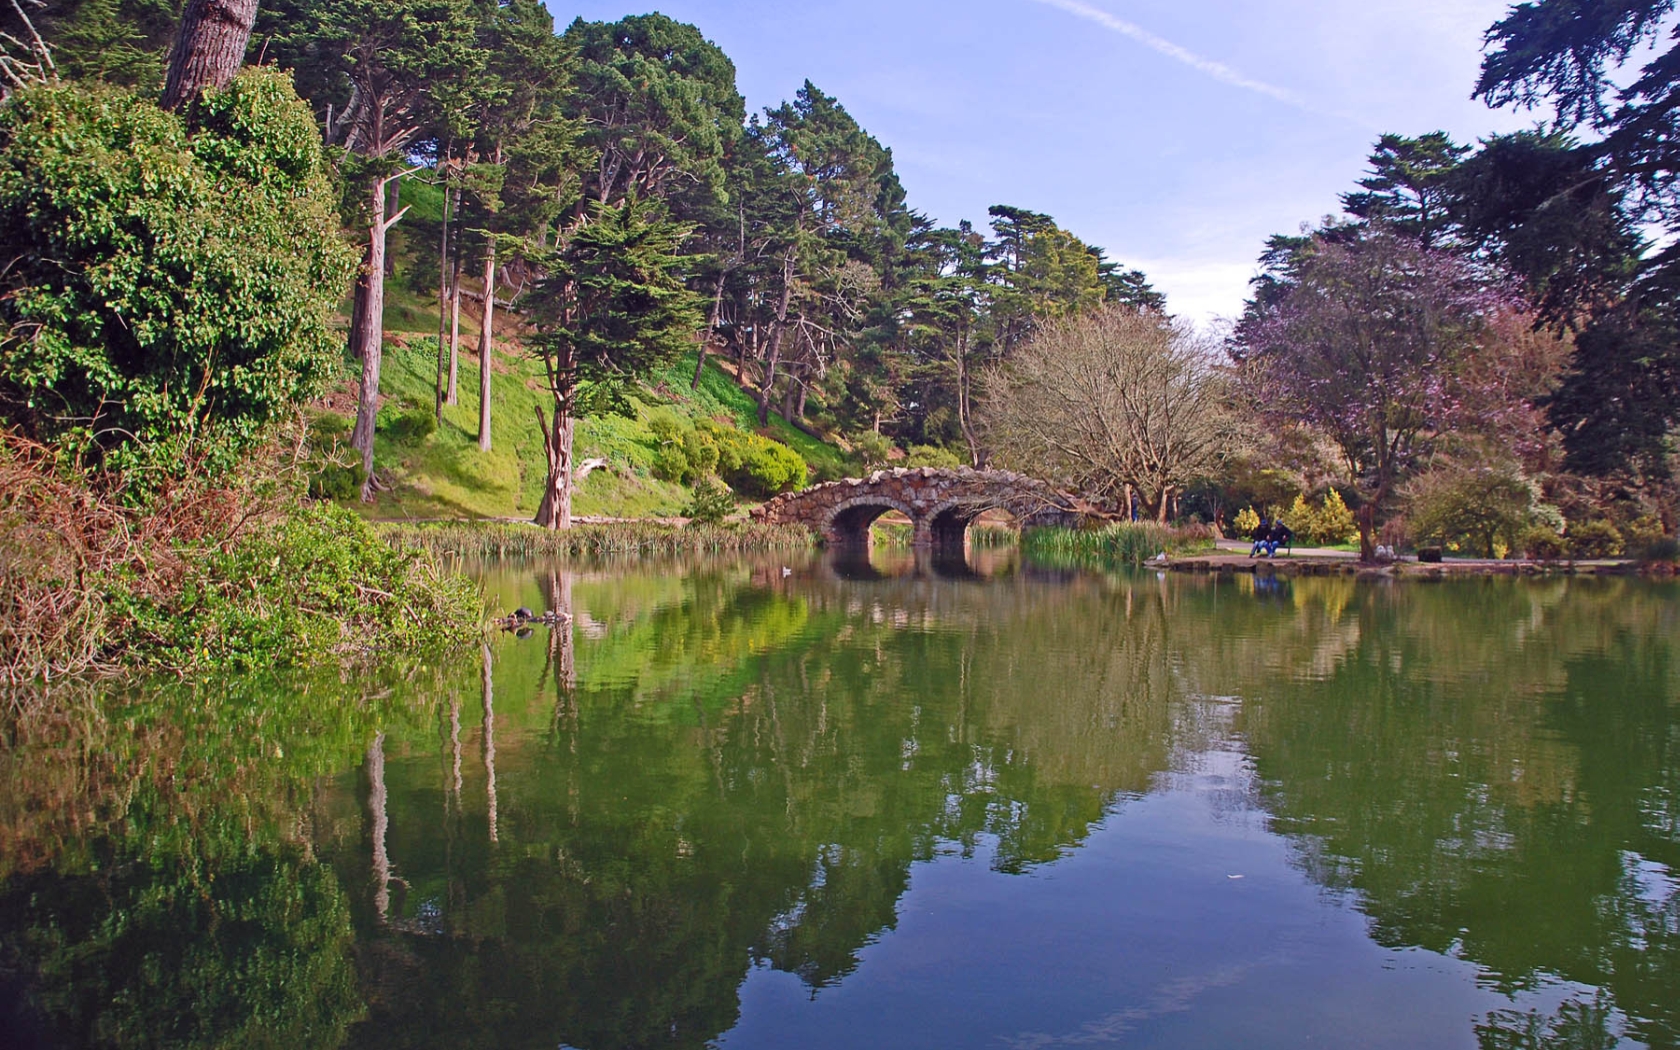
(941, 504)
(848, 522)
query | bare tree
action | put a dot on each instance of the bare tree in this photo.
(210, 48)
(24, 60)
(1113, 398)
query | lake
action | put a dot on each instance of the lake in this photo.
(767, 803)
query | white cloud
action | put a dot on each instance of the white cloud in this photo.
(1217, 70)
(1203, 291)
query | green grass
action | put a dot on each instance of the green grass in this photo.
(444, 475)
(630, 537)
(1125, 543)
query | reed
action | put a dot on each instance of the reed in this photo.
(505, 540)
(1127, 543)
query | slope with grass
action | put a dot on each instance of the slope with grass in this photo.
(439, 472)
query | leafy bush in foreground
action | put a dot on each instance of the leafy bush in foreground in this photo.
(319, 583)
(200, 576)
(170, 279)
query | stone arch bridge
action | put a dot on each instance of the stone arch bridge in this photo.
(940, 504)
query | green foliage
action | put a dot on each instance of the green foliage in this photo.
(1331, 522)
(632, 537)
(321, 583)
(1541, 543)
(712, 502)
(1124, 543)
(1479, 508)
(753, 465)
(409, 423)
(685, 454)
(1594, 539)
(873, 448)
(336, 481)
(932, 456)
(116, 41)
(171, 278)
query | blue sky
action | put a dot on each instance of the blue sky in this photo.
(1176, 134)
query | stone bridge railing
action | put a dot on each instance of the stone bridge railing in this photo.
(940, 504)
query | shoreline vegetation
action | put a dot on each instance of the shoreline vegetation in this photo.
(198, 277)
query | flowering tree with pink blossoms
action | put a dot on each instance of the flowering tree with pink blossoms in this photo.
(1383, 346)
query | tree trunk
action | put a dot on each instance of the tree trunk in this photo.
(367, 337)
(1165, 507)
(484, 348)
(555, 511)
(445, 384)
(711, 327)
(490, 741)
(965, 414)
(453, 396)
(769, 384)
(209, 49)
(381, 821)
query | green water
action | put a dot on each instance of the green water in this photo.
(744, 805)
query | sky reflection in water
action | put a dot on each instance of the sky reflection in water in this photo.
(1009, 806)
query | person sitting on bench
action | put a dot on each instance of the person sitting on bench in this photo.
(1281, 535)
(1262, 532)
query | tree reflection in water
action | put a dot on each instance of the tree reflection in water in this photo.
(726, 765)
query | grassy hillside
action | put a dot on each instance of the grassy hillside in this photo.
(442, 474)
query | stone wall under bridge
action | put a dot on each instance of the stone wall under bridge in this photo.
(940, 504)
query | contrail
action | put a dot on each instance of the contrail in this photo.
(1217, 70)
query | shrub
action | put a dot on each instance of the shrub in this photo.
(872, 449)
(754, 465)
(1246, 521)
(409, 424)
(711, 503)
(1479, 508)
(1541, 543)
(1330, 522)
(319, 582)
(337, 482)
(932, 456)
(1594, 539)
(178, 273)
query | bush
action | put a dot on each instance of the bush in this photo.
(178, 274)
(318, 583)
(1478, 508)
(1330, 522)
(753, 465)
(202, 577)
(337, 482)
(932, 456)
(410, 424)
(872, 449)
(1594, 539)
(711, 503)
(1542, 544)
(1246, 521)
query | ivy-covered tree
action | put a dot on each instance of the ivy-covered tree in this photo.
(172, 277)
(610, 308)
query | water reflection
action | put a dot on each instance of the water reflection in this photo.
(708, 772)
